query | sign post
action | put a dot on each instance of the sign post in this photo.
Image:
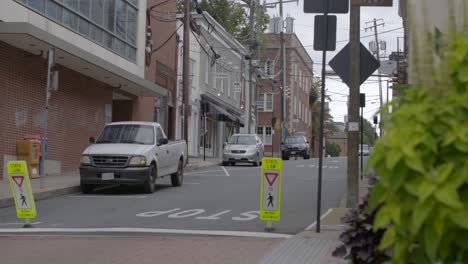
(21, 189)
(270, 191)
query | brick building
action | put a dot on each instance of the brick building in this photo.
(104, 73)
(299, 75)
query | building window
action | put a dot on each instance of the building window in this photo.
(264, 133)
(38, 5)
(222, 82)
(267, 102)
(110, 23)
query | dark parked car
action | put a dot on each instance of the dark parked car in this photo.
(295, 146)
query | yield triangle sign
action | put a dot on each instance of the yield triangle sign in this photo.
(18, 180)
(271, 178)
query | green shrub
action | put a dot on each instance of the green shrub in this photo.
(422, 164)
(333, 149)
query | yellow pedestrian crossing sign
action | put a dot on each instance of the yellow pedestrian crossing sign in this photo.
(270, 189)
(21, 189)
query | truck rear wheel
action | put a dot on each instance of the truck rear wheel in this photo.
(149, 185)
(177, 178)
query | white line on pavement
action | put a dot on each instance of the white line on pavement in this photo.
(35, 223)
(225, 171)
(199, 172)
(145, 230)
(191, 183)
(109, 196)
(321, 218)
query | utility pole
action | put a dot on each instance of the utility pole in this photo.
(283, 78)
(252, 6)
(185, 72)
(377, 53)
(353, 108)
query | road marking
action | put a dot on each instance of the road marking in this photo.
(250, 215)
(191, 183)
(186, 213)
(321, 218)
(244, 216)
(225, 171)
(109, 196)
(200, 172)
(156, 213)
(144, 230)
(35, 223)
(213, 217)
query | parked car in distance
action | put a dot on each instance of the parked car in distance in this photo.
(132, 153)
(243, 148)
(365, 150)
(295, 146)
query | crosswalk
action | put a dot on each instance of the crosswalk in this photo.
(316, 166)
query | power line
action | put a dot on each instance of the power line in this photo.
(167, 40)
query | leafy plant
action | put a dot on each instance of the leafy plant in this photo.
(422, 162)
(360, 239)
(333, 149)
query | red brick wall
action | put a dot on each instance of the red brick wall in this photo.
(295, 54)
(162, 68)
(76, 110)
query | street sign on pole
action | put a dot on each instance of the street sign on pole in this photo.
(21, 189)
(372, 2)
(319, 28)
(340, 64)
(333, 6)
(270, 191)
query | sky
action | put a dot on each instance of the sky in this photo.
(337, 90)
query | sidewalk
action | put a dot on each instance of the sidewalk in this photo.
(66, 183)
(309, 247)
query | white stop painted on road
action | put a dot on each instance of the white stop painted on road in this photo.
(187, 213)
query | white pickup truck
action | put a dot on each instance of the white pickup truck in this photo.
(132, 153)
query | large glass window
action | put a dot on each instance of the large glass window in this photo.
(121, 19)
(70, 19)
(267, 102)
(85, 6)
(37, 4)
(97, 12)
(109, 15)
(131, 25)
(73, 4)
(54, 10)
(110, 23)
(83, 27)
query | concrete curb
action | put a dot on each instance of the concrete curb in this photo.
(190, 168)
(7, 202)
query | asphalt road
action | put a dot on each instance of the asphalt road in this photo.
(216, 199)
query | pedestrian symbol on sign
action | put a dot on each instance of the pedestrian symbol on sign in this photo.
(270, 200)
(23, 200)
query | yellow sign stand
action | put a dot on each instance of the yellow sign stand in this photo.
(270, 191)
(21, 189)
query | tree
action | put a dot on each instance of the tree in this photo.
(233, 16)
(314, 104)
(333, 149)
(369, 133)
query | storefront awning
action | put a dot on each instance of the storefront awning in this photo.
(223, 108)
